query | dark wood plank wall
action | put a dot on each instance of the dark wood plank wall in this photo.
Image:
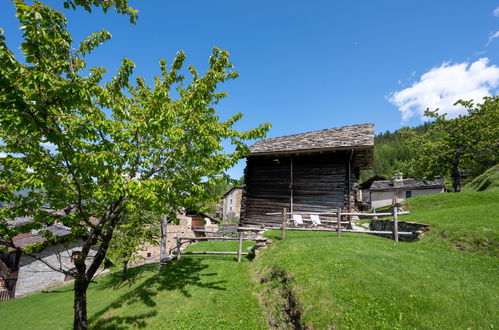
(320, 184)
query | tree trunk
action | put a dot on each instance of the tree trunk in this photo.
(455, 173)
(164, 243)
(80, 303)
(123, 273)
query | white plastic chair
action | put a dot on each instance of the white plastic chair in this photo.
(297, 219)
(315, 219)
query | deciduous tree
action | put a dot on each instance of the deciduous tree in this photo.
(466, 144)
(101, 148)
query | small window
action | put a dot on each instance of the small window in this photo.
(408, 194)
(148, 254)
(230, 208)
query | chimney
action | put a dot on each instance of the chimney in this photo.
(398, 180)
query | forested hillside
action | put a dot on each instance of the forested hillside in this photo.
(390, 153)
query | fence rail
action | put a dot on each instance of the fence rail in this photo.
(239, 251)
(338, 213)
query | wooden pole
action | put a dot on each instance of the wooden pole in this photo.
(395, 224)
(291, 186)
(338, 215)
(283, 227)
(178, 247)
(240, 249)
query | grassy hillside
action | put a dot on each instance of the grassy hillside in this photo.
(361, 281)
(465, 221)
(368, 282)
(488, 180)
(448, 280)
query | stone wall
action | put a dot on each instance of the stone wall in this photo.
(418, 229)
(34, 275)
(150, 253)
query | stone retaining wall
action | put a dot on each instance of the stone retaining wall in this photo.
(418, 229)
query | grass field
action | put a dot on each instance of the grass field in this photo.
(488, 180)
(466, 221)
(194, 293)
(361, 281)
(448, 280)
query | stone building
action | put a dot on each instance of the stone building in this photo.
(34, 275)
(382, 192)
(231, 204)
(186, 228)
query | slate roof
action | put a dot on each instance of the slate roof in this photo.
(347, 137)
(23, 240)
(231, 189)
(367, 184)
(407, 184)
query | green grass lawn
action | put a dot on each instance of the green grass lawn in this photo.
(448, 280)
(467, 220)
(195, 293)
(360, 281)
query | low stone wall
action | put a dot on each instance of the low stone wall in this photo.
(418, 229)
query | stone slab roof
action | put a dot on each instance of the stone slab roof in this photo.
(407, 184)
(24, 240)
(348, 137)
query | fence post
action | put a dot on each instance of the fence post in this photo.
(338, 215)
(283, 227)
(239, 251)
(178, 247)
(395, 224)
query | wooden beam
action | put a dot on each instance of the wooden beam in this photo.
(212, 252)
(240, 248)
(283, 226)
(395, 225)
(338, 225)
(343, 230)
(214, 238)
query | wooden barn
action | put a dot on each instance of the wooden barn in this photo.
(307, 172)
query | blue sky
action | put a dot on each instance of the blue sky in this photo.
(308, 65)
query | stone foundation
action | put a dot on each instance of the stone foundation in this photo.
(418, 229)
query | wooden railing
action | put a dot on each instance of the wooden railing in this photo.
(6, 295)
(180, 240)
(286, 217)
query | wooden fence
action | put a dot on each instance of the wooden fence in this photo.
(6, 295)
(339, 214)
(239, 252)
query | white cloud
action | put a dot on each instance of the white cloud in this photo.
(492, 36)
(496, 12)
(441, 87)
(3, 154)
